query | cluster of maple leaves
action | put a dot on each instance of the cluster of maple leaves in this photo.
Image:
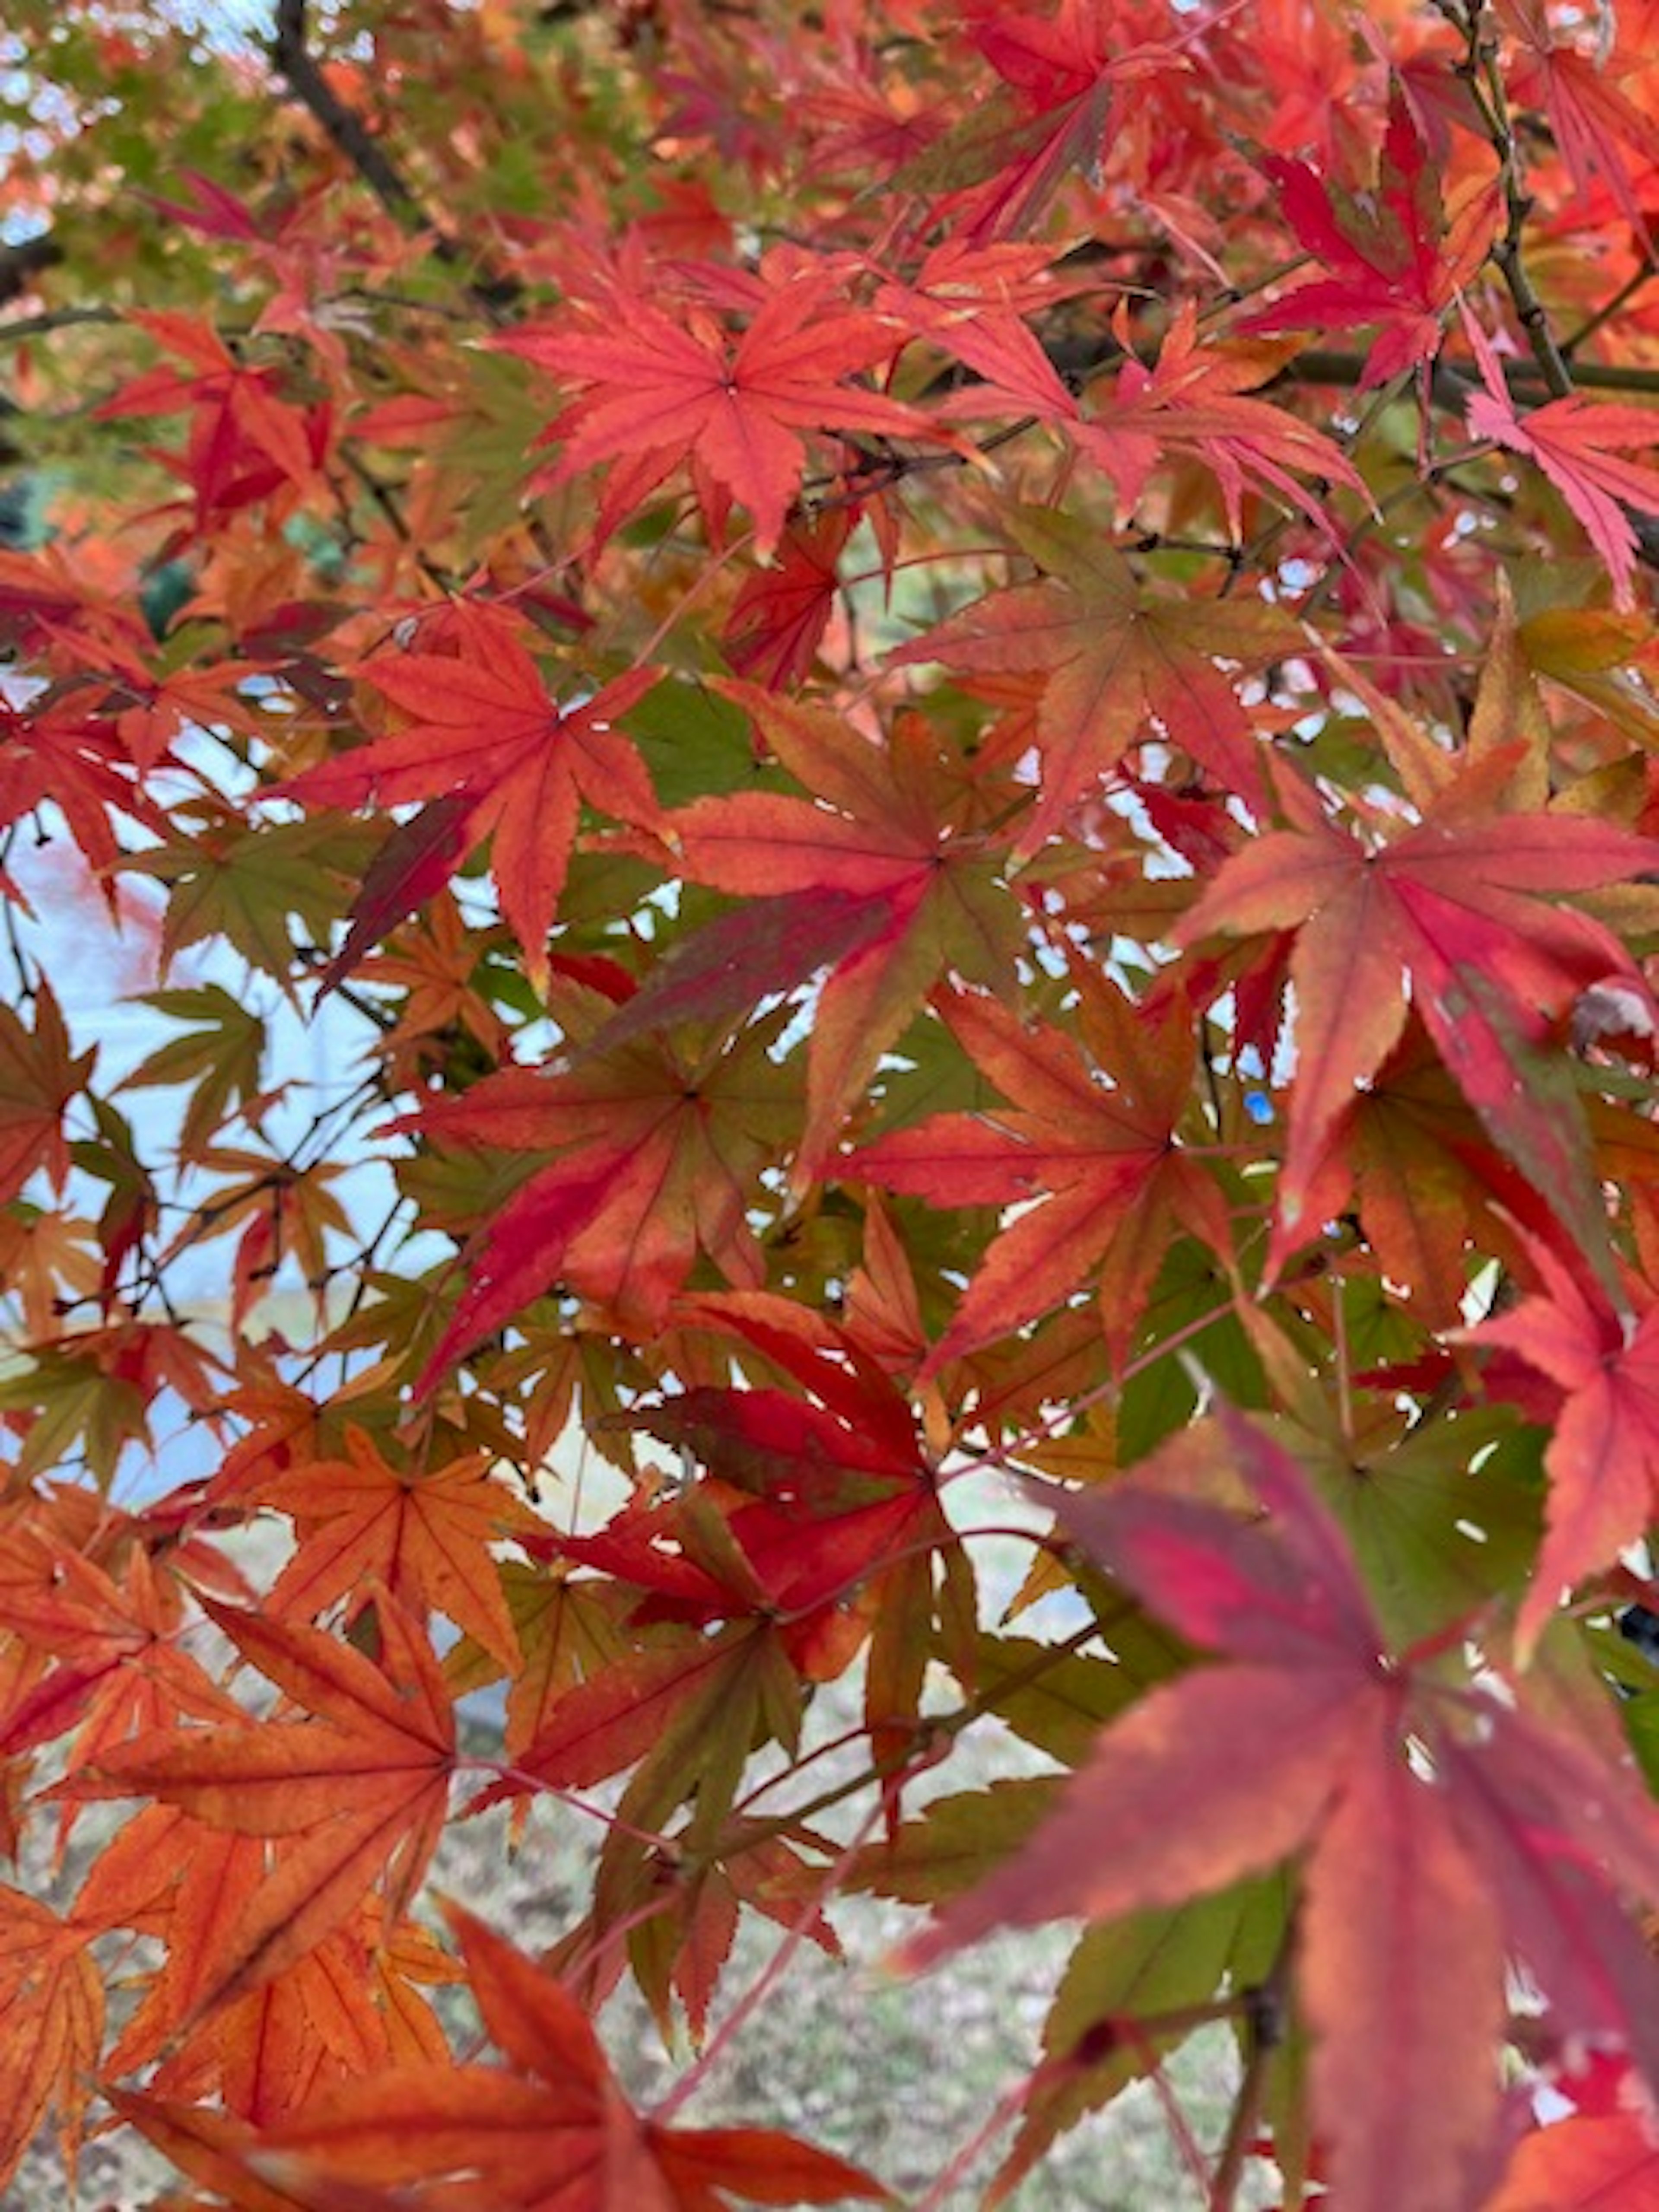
(959, 704)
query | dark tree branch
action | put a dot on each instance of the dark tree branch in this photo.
(20, 265)
(299, 67)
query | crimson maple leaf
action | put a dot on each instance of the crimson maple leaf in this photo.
(1576, 443)
(482, 739)
(658, 1146)
(779, 617)
(1097, 1171)
(661, 390)
(1458, 900)
(1396, 259)
(1493, 1835)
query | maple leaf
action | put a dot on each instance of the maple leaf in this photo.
(361, 1787)
(659, 391)
(346, 2007)
(481, 735)
(1196, 397)
(907, 861)
(1396, 260)
(1576, 443)
(548, 2127)
(1097, 1171)
(1458, 900)
(658, 1146)
(1121, 664)
(51, 2027)
(1590, 117)
(425, 1537)
(972, 300)
(38, 1079)
(1604, 2162)
(846, 1513)
(245, 442)
(1300, 1740)
(53, 753)
(233, 880)
(220, 1058)
(1054, 121)
(779, 615)
(1602, 1456)
(119, 1667)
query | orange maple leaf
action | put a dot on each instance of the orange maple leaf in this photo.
(426, 1537)
(1098, 1173)
(1121, 663)
(549, 2127)
(360, 1788)
(52, 2026)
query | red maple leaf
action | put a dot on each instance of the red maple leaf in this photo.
(661, 391)
(1606, 2162)
(1097, 1171)
(482, 739)
(1459, 899)
(898, 841)
(1296, 1746)
(247, 442)
(1054, 121)
(779, 617)
(1196, 399)
(1577, 443)
(1602, 1458)
(655, 1148)
(1594, 122)
(1395, 259)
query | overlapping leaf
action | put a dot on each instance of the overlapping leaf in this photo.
(909, 868)
(1458, 902)
(1123, 664)
(361, 1787)
(482, 737)
(657, 1148)
(1297, 1745)
(1094, 1166)
(549, 2126)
